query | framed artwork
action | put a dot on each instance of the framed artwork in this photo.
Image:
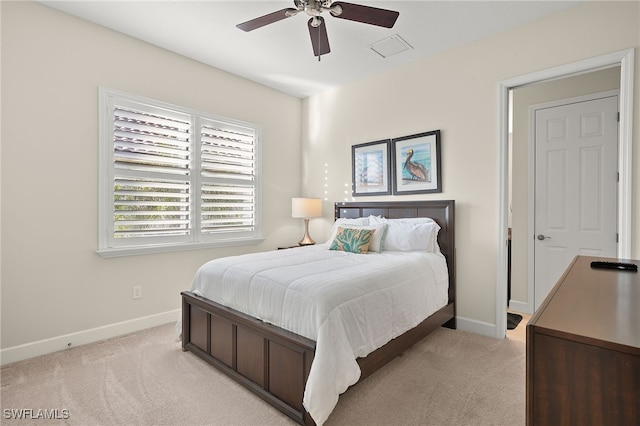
(371, 168)
(416, 161)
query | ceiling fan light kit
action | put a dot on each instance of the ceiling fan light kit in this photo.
(317, 27)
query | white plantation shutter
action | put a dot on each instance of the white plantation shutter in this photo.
(174, 177)
(150, 154)
(150, 208)
(227, 208)
(228, 160)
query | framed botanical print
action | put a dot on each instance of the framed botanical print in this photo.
(416, 163)
(371, 168)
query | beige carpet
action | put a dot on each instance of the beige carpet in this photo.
(449, 378)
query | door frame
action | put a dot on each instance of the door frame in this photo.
(625, 60)
(531, 149)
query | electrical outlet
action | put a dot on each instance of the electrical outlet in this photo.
(137, 292)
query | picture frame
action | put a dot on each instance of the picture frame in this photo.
(371, 168)
(417, 164)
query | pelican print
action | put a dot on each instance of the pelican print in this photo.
(415, 169)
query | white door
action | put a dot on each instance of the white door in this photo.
(575, 186)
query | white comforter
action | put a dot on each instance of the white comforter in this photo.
(350, 304)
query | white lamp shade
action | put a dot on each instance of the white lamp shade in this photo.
(306, 207)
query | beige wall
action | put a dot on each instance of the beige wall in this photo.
(55, 288)
(523, 98)
(457, 92)
(53, 282)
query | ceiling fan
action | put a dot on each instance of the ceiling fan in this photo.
(317, 28)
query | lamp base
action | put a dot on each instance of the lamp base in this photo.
(306, 239)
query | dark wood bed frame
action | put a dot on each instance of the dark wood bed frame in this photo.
(275, 363)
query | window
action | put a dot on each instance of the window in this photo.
(173, 178)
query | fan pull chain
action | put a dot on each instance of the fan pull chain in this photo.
(319, 55)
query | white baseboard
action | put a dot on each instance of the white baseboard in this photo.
(523, 307)
(54, 344)
(475, 326)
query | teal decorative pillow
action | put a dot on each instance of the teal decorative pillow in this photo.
(354, 240)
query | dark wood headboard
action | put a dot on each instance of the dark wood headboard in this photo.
(442, 211)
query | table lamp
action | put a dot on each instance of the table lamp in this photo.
(306, 208)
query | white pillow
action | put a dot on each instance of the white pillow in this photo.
(408, 234)
(346, 222)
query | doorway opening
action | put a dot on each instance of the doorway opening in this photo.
(623, 60)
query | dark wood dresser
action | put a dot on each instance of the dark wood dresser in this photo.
(583, 349)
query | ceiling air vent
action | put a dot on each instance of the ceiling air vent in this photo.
(390, 46)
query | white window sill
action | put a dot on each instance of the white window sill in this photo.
(164, 248)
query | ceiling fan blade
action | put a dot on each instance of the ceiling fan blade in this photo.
(267, 19)
(366, 14)
(319, 38)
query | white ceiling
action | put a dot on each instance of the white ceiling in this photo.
(280, 56)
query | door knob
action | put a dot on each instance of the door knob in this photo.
(542, 237)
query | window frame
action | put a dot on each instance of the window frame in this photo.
(108, 245)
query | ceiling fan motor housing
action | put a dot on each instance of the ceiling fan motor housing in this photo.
(313, 7)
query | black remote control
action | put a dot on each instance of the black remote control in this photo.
(620, 266)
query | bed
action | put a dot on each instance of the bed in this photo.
(275, 363)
